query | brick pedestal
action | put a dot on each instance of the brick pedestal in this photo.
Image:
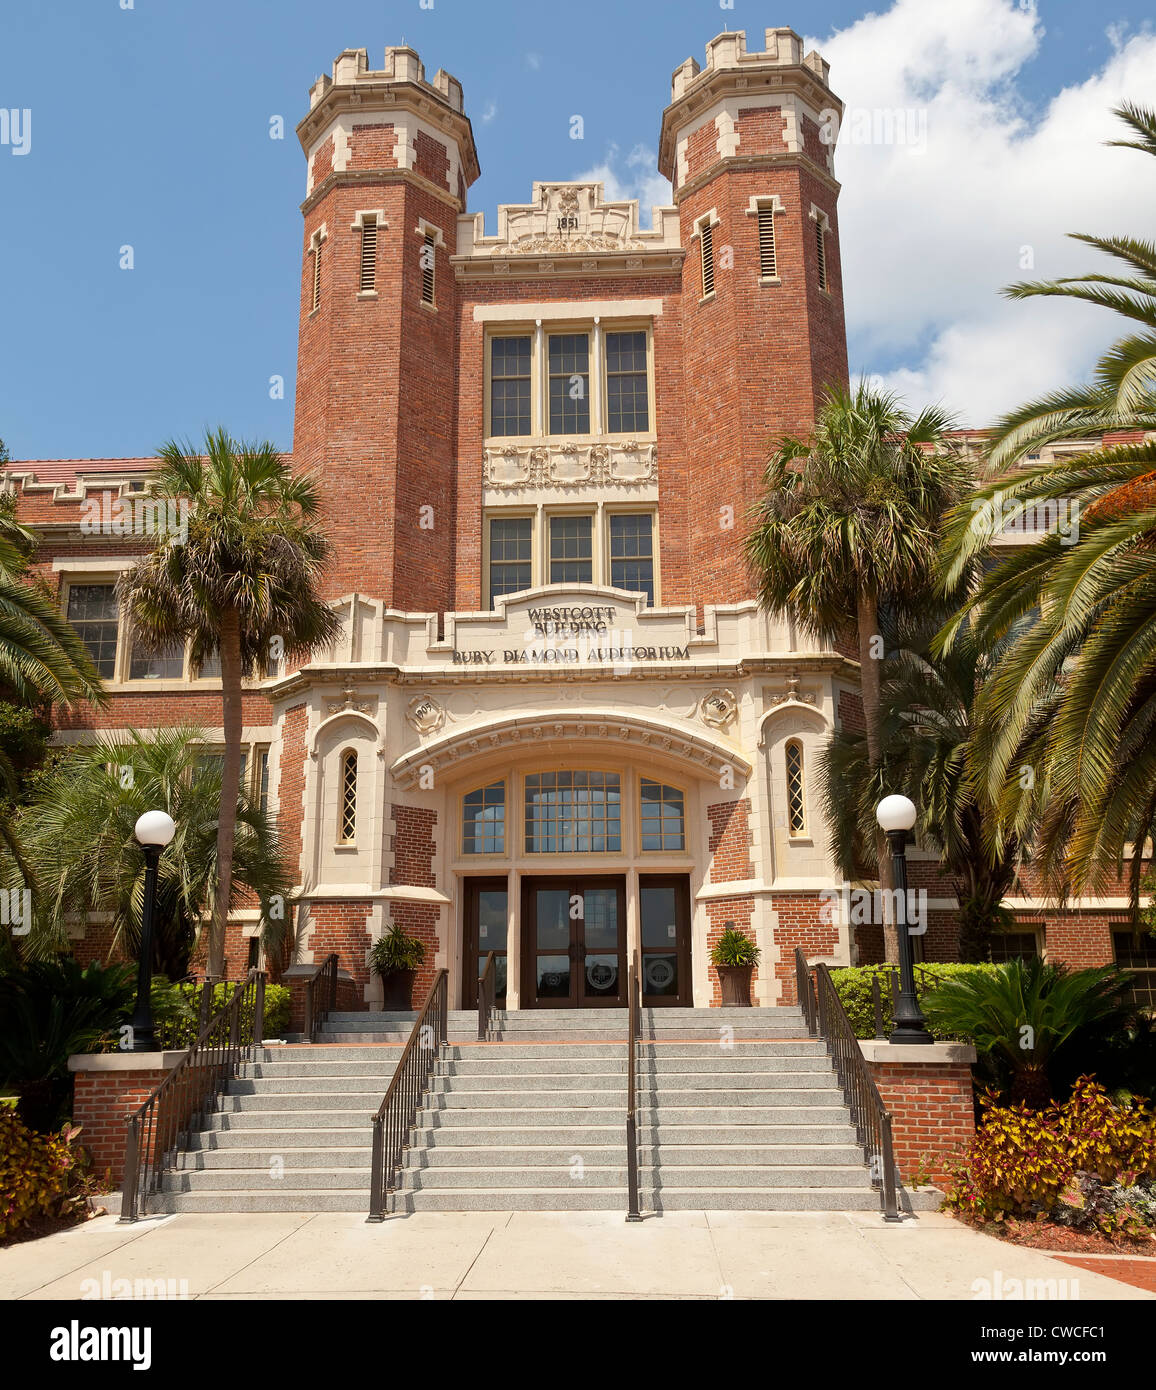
(107, 1088)
(929, 1093)
(350, 997)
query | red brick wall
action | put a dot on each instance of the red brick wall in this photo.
(730, 840)
(740, 913)
(413, 863)
(343, 927)
(800, 923)
(932, 1112)
(370, 147)
(291, 786)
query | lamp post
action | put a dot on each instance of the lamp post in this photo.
(153, 832)
(896, 816)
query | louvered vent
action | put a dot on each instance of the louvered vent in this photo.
(707, 259)
(427, 269)
(767, 242)
(369, 255)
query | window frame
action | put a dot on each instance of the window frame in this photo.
(684, 849)
(347, 841)
(603, 367)
(473, 856)
(84, 579)
(582, 331)
(613, 510)
(536, 855)
(802, 830)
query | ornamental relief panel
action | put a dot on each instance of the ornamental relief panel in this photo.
(508, 467)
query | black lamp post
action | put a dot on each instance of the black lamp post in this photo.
(153, 832)
(896, 816)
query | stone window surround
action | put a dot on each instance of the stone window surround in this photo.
(708, 219)
(775, 203)
(357, 226)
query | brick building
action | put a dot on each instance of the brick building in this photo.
(556, 724)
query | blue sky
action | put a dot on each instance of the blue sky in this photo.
(150, 128)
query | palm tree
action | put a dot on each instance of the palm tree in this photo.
(1076, 611)
(928, 723)
(242, 585)
(1024, 1013)
(78, 833)
(849, 523)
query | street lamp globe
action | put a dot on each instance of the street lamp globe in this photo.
(154, 828)
(895, 813)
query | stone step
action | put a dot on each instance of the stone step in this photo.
(461, 1081)
(466, 1178)
(466, 1127)
(565, 1112)
(615, 1199)
(815, 1160)
(261, 1159)
(461, 1017)
(780, 1106)
(280, 1140)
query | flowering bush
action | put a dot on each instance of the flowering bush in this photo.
(41, 1175)
(1079, 1157)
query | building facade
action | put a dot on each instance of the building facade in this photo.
(556, 724)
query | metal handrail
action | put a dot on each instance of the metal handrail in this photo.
(487, 984)
(804, 989)
(411, 1078)
(871, 1118)
(320, 996)
(633, 1031)
(163, 1123)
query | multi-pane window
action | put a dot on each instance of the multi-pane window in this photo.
(93, 612)
(484, 820)
(167, 663)
(317, 275)
(627, 391)
(427, 268)
(632, 552)
(706, 251)
(573, 812)
(796, 792)
(511, 564)
(347, 816)
(369, 254)
(1012, 945)
(1137, 955)
(767, 259)
(571, 550)
(510, 385)
(821, 247)
(569, 378)
(263, 781)
(663, 817)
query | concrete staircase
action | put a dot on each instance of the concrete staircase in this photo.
(750, 1119)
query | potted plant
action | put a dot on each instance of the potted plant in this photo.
(396, 957)
(734, 955)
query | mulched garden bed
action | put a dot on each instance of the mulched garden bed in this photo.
(1048, 1235)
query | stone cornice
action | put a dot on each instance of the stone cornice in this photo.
(756, 161)
(347, 177)
(567, 265)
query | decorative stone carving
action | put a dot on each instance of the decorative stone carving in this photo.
(510, 467)
(350, 702)
(425, 714)
(719, 708)
(793, 693)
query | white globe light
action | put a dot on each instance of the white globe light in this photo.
(895, 813)
(155, 828)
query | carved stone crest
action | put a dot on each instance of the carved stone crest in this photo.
(425, 714)
(719, 708)
(350, 702)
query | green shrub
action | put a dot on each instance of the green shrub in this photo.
(396, 950)
(176, 1010)
(42, 1176)
(853, 986)
(734, 948)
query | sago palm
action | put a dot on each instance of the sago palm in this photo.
(1077, 609)
(78, 833)
(849, 523)
(243, 585)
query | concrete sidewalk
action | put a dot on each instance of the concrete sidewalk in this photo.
(479, 1255)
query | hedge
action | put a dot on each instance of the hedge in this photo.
(853, 986)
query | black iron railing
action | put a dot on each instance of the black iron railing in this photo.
(633, 1031)
(487, 985)
(411, 1078)
(871, 1118)
(805, 989)
(165, 1122)
(320, 996)
(924, 982)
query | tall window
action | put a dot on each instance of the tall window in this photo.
(347, 817)
(369, 254)
(484, 820)
(510, 385)
(1138, 956)
(573, 812)
(428, 263)
(821, 247)
(166, 664)
(569, 372)
(706, 250)
(627, 391)
(263, 781)
(317, 275)
(93, 612)
(632, 552)
(571, 550)
(511, 566)
(767, 260)
(796, 794)
(663, 817)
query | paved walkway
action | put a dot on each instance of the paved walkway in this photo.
(708, 1255)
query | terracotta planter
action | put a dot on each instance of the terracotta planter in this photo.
(736, 985)
(397, 989)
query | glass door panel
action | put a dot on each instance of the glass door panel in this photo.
(553, 933)
(484, 929)
(664, 920)
(602, 930)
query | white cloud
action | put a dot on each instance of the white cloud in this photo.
(930, 236)
(534, 60)
(633, 176)
(489, 113)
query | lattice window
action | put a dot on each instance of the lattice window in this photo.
(706, 248)
(369, 254)
(767, 262)
(821, 247)
(796, 796)
(427, 269)
(347, 828)
(317, 275)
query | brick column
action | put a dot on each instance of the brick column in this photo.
(107, 1088)
(929, 1093)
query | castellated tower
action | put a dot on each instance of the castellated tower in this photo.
(762, 294)
(390, 157)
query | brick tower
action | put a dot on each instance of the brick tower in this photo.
(762, 303)
(390, 159)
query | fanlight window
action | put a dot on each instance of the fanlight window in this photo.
(573, 813)
(484, 820)
(347, 822)
(796, 798)
(663, 817)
